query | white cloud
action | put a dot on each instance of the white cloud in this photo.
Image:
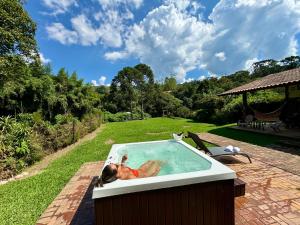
(84, 33)
(172, 40)
(87, 35)
(221, 56)
(94, 82)
(115, 3)
(58, 32)
(187, 80)
(168, 39)
(100, 82)
(202, 77)
(212, 75)
(108, 28)
(111, 29)
(115, 55)
(249, 63)
(44, 60)
(59, 6)
(246, 30)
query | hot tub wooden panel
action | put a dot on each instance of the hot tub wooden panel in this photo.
(209, 203)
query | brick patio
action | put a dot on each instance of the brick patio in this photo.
(272, 194)
(74, 204)
(289, 161)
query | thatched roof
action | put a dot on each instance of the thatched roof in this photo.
(273, 80)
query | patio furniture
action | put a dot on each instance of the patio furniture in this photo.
(247, 121)
(214, 151)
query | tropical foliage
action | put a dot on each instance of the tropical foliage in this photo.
(131, 91)
(40, 112)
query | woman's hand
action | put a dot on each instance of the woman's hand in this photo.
(124, 158)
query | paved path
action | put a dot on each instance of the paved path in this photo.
(74, 204)
(284, 160)
(272, 195)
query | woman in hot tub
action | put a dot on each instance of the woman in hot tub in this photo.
(113, 171)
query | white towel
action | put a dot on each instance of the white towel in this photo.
(236, 149)
(177, 137)
(229, 148)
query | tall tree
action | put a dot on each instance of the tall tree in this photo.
(125, 88)
(17, 30)
(170, 84)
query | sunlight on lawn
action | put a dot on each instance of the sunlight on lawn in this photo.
(22, 202)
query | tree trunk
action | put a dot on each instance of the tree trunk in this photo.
(142, 110)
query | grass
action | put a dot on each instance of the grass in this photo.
(246, 136)
(22, 202)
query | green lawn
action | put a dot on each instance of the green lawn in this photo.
(22, 202)
(246, 136)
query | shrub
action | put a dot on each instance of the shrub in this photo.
(28, 138)
(183, 112)
(202, 115)
(63, 119)
(124, 116)
(14, 145)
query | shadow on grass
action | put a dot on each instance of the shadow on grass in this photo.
(245, 136)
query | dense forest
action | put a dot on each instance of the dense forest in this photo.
(41, 112)
(134, 90)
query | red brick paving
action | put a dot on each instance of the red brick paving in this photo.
(285, 160)
(74, 204)
(272, 196)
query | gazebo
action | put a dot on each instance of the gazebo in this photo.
(289, 79)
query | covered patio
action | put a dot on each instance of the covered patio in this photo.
(284, 121)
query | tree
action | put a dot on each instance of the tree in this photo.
(265, 67)
(170, 84)
(146, 88)
(132, 87)
(17, 30)
(291, 62)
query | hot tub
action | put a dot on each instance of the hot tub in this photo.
(191, 188)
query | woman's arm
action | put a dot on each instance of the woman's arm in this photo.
(124, 158)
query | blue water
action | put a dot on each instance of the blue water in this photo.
(177, 157)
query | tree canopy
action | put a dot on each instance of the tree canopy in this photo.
(17, 30)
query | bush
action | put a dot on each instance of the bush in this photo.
(183, 112)
(14, 145)
(124, 116)
(202, 115)
(28, 138)
(232, 111)
(63, 119)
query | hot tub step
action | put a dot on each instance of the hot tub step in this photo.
(239, 187)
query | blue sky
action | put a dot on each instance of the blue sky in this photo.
(189, 39)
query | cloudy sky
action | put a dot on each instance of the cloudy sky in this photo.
(191, 39)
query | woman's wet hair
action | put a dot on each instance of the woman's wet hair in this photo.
(108, 175)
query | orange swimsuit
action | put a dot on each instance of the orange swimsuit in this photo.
(134, 172)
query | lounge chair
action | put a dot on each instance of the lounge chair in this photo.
(249, 119)
(214, 151)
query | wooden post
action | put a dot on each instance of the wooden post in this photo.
(245, 104)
